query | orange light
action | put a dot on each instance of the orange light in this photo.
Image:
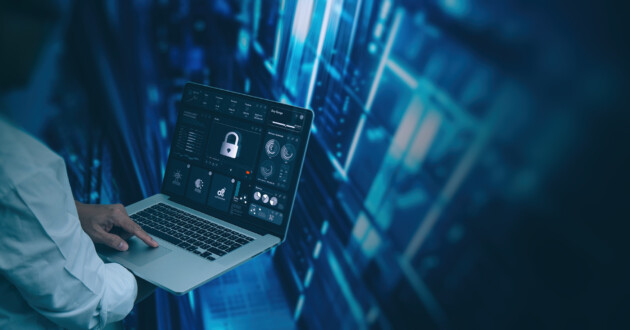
(247, 172)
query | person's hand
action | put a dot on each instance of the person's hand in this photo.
(110, 225)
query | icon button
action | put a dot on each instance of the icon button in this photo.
(221, 191)
(265, 198)
(272, 148)
(198, 185)
(273, 201)
(266, 169)
(257, 195)
(288, 152)
(230, 149)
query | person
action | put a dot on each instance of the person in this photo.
(50, 273)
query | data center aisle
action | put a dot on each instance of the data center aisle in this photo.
(250, 294)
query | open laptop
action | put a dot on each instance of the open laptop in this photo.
(228, 189)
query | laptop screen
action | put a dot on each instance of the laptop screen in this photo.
(237, 157)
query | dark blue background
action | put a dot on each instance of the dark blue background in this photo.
(467, 167)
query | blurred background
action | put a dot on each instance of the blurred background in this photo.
(467, 167)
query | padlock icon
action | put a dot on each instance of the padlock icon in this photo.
(230, 149)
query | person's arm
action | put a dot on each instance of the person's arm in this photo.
(52, 261)
(100, 223)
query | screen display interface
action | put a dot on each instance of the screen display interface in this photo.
(237, 157)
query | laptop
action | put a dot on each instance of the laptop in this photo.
(228, 189)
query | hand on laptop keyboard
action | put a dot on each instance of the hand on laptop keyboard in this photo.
(189, 232)
(101, 221)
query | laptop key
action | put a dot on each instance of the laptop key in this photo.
(171, 239)
(210, 242)
(216, 251)
(151, 230)
(231, 248)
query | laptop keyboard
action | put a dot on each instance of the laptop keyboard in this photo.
(189, 232)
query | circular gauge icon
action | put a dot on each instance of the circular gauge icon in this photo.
(257, 195)
(273, 201)
(266, 168)
(265, 198)
(288, 152)
(272, 148)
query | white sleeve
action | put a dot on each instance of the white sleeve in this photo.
(50, 259)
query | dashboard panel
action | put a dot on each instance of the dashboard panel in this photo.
(237, 157)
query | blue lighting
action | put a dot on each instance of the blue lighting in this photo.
(309, 277)
(402, 74)
(344, 286)
(456, 7)
(163, 129)
(317, 250)
(372, 48)
(191, 299)
(324, 229)
(154, 94)
(243, 43)
(299, 306)
(318, 53)
(426, 116)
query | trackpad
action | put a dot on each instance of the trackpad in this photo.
(138, 253)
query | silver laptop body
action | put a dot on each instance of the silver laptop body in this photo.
(228, 189)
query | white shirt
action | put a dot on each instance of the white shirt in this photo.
(50, 274)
